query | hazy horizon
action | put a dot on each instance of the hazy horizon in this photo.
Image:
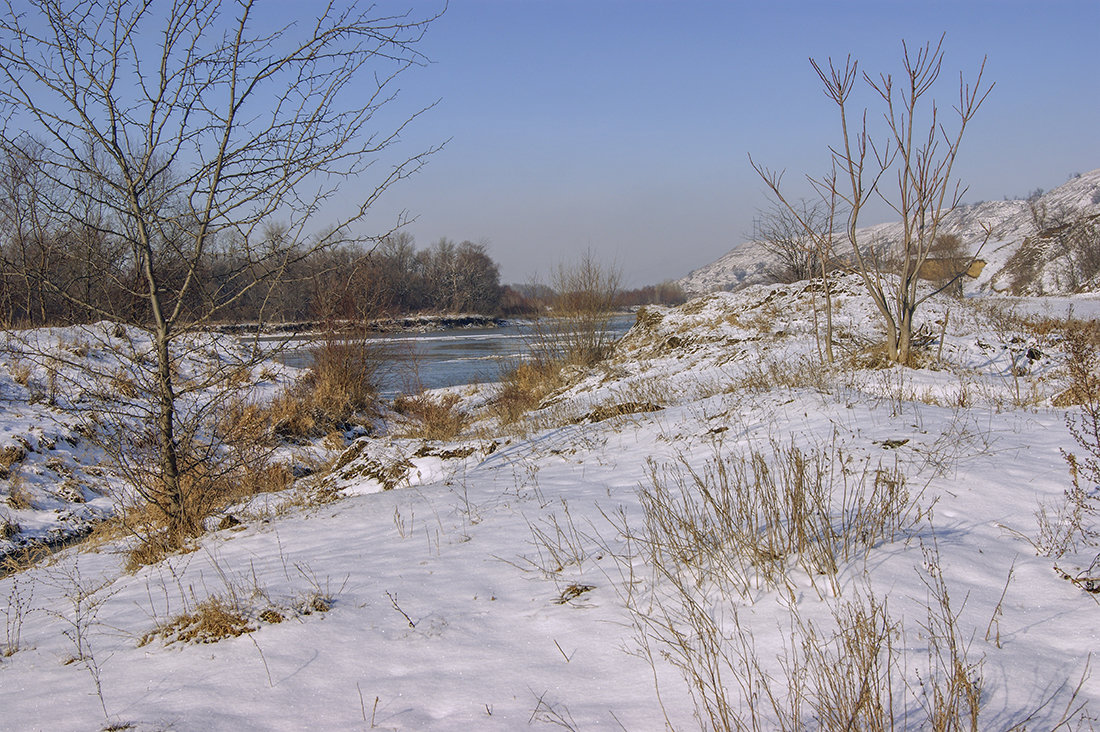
(624, 127)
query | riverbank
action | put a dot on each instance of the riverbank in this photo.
(395, 324)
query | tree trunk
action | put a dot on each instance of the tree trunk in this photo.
(174, 506)
(828, 313)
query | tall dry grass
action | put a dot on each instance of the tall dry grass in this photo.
(753, 528)
(743, 521)
(431, 417)
(575, 332)
(341, 386)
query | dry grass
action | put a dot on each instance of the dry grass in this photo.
(744, 520)
(849, 671)
(524, 387)
(577, 335)
(210, 621)
(21, 373)
(19, 496)
(766, 374)
(761, 527)
(558, 544)
(154, 544)
(207, 487)
(432, 417)
(11, 455)
(229, 457)
(226, 450)
(237, 461)
(9, 528)
(241, 610)
(340, 387)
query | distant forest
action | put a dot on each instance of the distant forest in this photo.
(85, 278)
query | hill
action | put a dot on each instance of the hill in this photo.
(1039, 226)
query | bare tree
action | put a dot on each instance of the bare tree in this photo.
(909, 167)
(802, 234)
(188, 129)
(789, 234)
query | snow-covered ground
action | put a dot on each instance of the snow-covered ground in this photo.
(62, 389)
(1009, 224)
(509, 579)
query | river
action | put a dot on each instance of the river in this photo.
(438, 359)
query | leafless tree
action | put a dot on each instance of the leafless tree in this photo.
(176, 131)
(909, 166)
(803, 233)
(789, 235)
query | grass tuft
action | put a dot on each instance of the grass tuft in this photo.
(432, 417)
(340, 387)
(212, 620)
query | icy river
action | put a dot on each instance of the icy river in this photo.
(436, 359)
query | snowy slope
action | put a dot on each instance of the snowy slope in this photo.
(502, 581)
(66, 395)
(1011, 222)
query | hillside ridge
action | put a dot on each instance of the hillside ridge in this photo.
(1013, 222)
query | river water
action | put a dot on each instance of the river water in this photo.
(438, 359)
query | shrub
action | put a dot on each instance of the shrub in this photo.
(209, 483)
(231, 460)
(577, 332)
(432, 417)
(341, 385)
(1064, 527)
(523, 389)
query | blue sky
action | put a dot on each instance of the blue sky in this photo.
(624, 127)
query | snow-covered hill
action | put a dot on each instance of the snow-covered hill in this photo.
(571, 571)
(1012, 222)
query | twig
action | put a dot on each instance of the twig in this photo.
(567, 658)
(397, 607)
(997, 611)
(270, 683)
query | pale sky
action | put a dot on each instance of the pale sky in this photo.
(624, 127)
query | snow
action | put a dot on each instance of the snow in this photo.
(1010, 222)
(492, 586)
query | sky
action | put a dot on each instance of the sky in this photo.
(623, 128)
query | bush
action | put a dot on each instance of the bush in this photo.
(577, 332)
(523, 389)
(234, 467)
(340, 386)
(431, 417)
(1066, 527)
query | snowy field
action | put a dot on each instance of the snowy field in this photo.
(525, 576)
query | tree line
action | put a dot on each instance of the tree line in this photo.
(57, 272)
(54, 274)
